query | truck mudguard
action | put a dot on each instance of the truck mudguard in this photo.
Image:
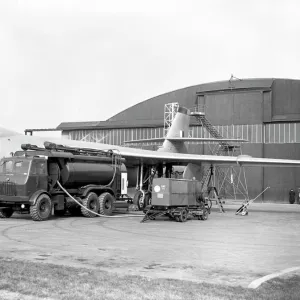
(35, 195)
(97, 189)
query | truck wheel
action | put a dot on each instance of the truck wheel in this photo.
(183, 216)
(139, 200)
(41, 210)
(91, 203)
(6, 212)
(106, 202)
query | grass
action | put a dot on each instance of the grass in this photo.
(68, 283)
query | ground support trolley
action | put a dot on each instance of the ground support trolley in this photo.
(179, 214)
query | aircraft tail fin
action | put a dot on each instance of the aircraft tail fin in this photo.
(179, 129)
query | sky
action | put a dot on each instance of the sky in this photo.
(68, 61)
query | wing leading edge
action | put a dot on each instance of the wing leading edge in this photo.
(182, 139)
(133, 155)
(241, 160)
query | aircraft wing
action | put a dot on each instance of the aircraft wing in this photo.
(134, 156)
(185, 139)
(153, 157)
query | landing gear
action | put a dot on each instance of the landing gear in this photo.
(138, 200)
(147, 199)
(6, 212)
(41, 210)
(142, 199)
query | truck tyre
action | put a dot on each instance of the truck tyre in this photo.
(106, 203)
(6, 212)
(41, 210)
(139, 200)
(90, 202)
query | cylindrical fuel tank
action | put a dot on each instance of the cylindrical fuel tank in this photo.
(77, 174)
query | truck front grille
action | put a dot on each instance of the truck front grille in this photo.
(8, 188)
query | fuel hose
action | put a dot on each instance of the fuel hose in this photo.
(100, 215)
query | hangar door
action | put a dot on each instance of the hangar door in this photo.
(238, 108)
(227, 108)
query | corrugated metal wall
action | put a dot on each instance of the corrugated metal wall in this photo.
(113, 136)
(274, 133)
(264, 112)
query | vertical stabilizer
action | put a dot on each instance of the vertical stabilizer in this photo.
(178, 129)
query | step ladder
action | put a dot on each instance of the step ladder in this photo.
(212, 190)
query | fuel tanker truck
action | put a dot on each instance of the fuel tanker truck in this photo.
(54, 179)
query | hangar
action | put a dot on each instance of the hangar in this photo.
(266, 112)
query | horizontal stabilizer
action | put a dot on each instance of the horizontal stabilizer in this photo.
(158, 140)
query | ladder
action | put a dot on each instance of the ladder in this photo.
(223, 148)
(211, 189)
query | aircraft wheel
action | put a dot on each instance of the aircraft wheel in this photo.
(183, 216)
(6, 212)
(106, 203)
(139, 200)
(41, 210)
(147, 200)
(90, 202)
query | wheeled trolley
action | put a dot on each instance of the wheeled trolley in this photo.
(179, 199)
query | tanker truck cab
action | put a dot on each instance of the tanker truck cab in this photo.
(20, 178)
(59, 179)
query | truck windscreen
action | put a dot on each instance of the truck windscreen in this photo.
(14, 167)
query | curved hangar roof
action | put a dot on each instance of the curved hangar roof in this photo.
(280, 102)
